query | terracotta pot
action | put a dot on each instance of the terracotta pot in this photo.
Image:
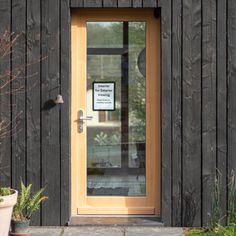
(6, 207)
(19, 234)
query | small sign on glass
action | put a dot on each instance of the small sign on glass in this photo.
(104, 96)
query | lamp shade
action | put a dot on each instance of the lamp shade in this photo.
(59, 99)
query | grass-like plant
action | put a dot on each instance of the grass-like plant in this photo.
(232, 200)
(215, 206)
(229, 230)
(216, 229)
(4, 191)
(27, 203)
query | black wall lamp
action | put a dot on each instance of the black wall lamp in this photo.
(48, 105)
(59, 99)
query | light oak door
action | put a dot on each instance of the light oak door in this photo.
(115, 112)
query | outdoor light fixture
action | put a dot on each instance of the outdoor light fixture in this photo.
(59, 99)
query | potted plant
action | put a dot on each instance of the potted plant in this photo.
(27, 204)
(8, 198)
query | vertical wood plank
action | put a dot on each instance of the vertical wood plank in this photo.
(18, 94)
(208, 105)
(5, 106)
(33, 99)
(231, 86)
(137, 3)
(149, 3)
(124, 3)
(192, 112)
(50, 114)
(166, 86)
(222, 102)
(93, 3)
(77, 3)
(109, 3)
(177, 112)
(65, 111)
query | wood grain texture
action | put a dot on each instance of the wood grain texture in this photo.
(77, 3)
(65, 110)
(208, 106)
(166, 126)
(18, 94)
(149, 3)
(231, 86)
(110, 3)
(177, 113)
(92, 3)
(5, 105)
(50, 124)
(33, 111)
(124, 3)
(191, 112)
(137, 3)
(113, 3)
(221, 69)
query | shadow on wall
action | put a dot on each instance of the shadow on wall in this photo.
(49, 105)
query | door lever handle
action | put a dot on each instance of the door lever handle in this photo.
(82, 119)
(85, 118)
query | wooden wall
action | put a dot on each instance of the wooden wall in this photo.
(198, 44)
(38, 149)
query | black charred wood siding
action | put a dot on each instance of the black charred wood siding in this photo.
(198, 102)
(40, 151)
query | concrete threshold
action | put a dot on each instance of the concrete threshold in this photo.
(110, 220)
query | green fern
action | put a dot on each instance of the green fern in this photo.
(27, 203)
(22, 201)
(34, 203)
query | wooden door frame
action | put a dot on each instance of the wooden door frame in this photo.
(76, 30)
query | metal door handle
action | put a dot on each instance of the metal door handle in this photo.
(86, 118)
(82, 119)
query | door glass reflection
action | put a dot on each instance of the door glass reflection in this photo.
(116, 140)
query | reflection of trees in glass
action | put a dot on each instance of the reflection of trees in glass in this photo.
(105, 34)
(104, 138)
(137, 35)
(108, 68)
(137, 83)
(137, 107)
(104, 68)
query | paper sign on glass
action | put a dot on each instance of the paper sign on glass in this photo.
(104, 96)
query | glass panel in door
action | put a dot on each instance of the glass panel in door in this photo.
(116, 101)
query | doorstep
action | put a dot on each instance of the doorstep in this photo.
(116, 220)
(105, 231)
